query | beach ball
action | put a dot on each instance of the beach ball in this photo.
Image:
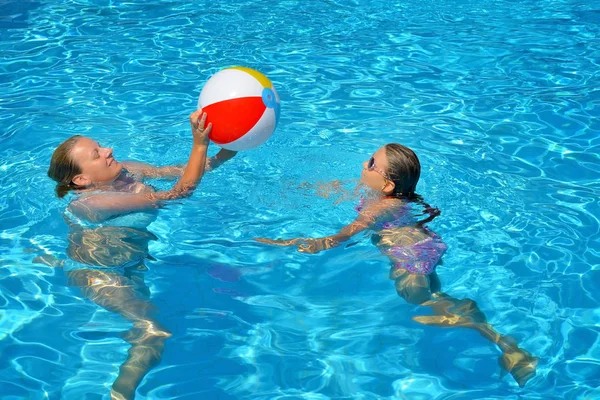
(243, 107)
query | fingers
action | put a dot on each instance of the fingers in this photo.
(313, 246)
(208, 128)
(303, 248)
(308, 248)
(202, 122)
(200, 133)
(198, 120)
(194, 116)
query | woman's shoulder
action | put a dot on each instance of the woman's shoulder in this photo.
(90, 209)
(84, 206)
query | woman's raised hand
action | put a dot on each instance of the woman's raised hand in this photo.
(200, 133)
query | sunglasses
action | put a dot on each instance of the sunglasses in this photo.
(372, 167)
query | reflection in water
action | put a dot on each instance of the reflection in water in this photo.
(116, 283)
(108, 246)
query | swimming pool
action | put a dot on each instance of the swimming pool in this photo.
(498, 98)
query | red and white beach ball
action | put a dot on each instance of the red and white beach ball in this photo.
(243, 107)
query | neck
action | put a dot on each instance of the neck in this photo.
(105, 184)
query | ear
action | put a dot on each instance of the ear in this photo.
(389, 187)
(81, 180)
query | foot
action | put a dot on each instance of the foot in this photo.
(520, 364)
(114, 395)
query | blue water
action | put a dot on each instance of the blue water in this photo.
(499, 99)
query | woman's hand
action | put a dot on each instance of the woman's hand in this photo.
(219, 158)
(200, 133)
(224, 155)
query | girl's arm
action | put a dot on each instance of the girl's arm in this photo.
(175, 171)
(365, 220)
(103, 206)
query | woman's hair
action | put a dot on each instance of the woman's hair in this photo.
(404, 169)
(63, 168)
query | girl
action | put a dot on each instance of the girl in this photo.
(108, 239)
(414, 250)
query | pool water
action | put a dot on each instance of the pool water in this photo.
(499, 99)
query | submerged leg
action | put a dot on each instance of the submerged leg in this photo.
(147, 344)
(450, 312)
(116, 293)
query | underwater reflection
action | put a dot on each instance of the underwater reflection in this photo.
(111, 274)
(448, 311)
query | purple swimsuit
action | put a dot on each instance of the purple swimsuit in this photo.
(418, 258)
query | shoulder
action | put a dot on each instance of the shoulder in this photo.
(381, 205)
(96, 206)
(375, 209)
(84, 207)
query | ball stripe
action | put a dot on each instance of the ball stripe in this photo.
(225, 85)
(264, 81)
(258, 134)
(246, 111)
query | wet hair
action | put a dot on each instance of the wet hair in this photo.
(63, 168)
(404, 169)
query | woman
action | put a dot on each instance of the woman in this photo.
(108, 188)
(107, 221)
(393, 214)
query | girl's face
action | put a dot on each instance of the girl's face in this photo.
(97, 163)
(374, 173)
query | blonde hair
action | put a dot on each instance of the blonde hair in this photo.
(63, 168)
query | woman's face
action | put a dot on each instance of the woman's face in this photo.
(374, 173)
(97, 163)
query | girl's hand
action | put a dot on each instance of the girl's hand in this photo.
(310, 246)
(197, 122)
(313, 246)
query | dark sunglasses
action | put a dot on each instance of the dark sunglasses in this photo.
(372, 167)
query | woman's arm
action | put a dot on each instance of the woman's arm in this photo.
(175, 171)
(150, 171)
(103, 206)
(218, 159)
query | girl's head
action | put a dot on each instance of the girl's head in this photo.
(393, 170)
(80, 162)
